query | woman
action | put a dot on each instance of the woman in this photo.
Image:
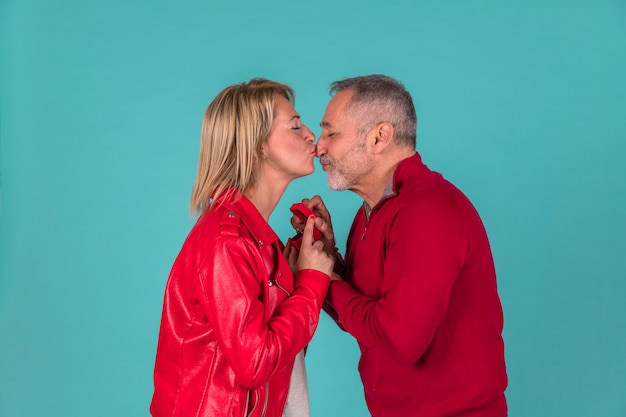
(239, 307)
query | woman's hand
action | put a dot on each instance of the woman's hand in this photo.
(322, 222)
(312, 254)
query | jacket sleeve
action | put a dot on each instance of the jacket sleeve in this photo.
(255, 347)
(424, 250)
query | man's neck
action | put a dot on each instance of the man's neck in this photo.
(372, 189)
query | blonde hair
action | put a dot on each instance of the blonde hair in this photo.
(235, 125)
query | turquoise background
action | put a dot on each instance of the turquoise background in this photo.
(520, 104)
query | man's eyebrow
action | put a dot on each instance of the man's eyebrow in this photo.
(325, 124)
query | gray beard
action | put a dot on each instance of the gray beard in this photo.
(336, 182)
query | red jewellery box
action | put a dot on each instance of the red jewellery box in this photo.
(302, 212)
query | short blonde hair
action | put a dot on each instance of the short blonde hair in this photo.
(235, 125)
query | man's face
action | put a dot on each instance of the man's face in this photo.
(342, 151)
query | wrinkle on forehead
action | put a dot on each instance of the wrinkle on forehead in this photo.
(337, 110)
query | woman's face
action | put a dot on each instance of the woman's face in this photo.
(289, 148)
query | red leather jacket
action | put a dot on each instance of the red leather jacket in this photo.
(234, 318)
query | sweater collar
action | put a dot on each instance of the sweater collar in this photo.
(387, 193)
(406, 168)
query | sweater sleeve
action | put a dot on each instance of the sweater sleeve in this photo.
(257, 347)
(424, 251)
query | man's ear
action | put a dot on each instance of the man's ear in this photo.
(382, 137)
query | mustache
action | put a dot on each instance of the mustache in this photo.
(327, 160)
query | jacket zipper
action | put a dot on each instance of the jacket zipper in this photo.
(256, 402)
(281, 287)
(267, 389)
(267, 384)
(270, 283)
(248, 403)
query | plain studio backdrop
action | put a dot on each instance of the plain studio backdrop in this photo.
(521, 104)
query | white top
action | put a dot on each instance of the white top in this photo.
(298, 397)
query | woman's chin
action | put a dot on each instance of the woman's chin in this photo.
(308, 169)
(304, 173)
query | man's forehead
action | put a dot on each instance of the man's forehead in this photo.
(342, 98)
(336, 110)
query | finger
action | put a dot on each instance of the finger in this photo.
(325, 228)
(293, 255)
(296, 223)
(312, 202)
(307, 234)
(319, 245)
(316, 204)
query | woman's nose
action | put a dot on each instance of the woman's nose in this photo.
(309, 136)
(320, 146)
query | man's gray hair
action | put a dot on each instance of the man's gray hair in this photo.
(379, 98)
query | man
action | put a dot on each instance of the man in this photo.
(418, 287)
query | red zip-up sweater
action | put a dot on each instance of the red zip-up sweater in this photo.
(420, 298)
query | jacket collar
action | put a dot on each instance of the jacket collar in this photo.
(251, 217)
